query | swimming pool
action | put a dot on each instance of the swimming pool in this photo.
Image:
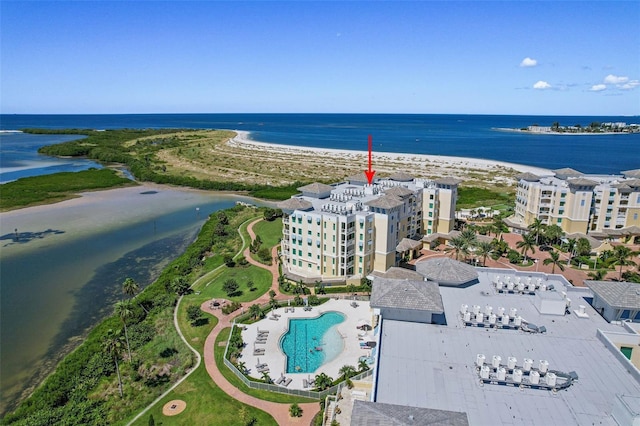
(311, 342)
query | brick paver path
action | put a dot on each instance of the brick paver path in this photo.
(279, 411)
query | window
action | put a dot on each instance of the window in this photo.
(430, 205)
(299, 231)
(635, 216)
(308, 254)
(626, 351)
(430, 214)
(294, 251)
(581, 203)
(309, 232)
(560, 220)
(294, 262)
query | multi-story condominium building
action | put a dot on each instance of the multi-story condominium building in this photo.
(603, 206)
(351, 228)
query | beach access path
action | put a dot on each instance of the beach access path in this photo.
(279, 411)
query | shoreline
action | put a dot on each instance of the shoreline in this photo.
(243, 140)
(528, 132)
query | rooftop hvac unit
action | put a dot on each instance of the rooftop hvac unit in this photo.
(539, 281)
(567, 302)
(534, 378)
(467, 316)
(528, 363)
(500, 311)
(517, 321)
(528, 280)
(543, 366)
(484, 372)
(531, 287)
(551, 379)
(499, 285)
(581, 309)
(480, 360)
(517, 280)
(479, 317)
(495, 361)
(492, 319)
(511, 362)
(487, 310)
(496, 279)
(502, 373)
(543, 287)
(476, 309)
(513, 312)
(509, 285)
(505, 320)
(464, 308)
(517, 375)
(520, 286)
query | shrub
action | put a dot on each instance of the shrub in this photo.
(295, 410)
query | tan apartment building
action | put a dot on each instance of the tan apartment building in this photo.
(606, 206)
(350, 229)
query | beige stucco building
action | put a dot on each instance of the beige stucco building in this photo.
(601, 205)
(349, 229)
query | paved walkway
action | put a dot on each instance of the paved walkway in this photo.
(279, 411)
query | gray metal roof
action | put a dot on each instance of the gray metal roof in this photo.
(582, 182)
(385, 202)
(632, 173)
(634, 183)
(566, 172)
(295, 203)
(448, 181)
(367, 413)
(399, 191)
(408, 244)
(619, 295)
(401, 177)
(406, 294)
(593, 242)
(529, 177)
(316, 188)
(358, 178)
(447, 271)
(432, 366)
(399, 273)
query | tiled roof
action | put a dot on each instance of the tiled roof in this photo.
(385, 202)
(408, 244)
(594, 243)
(367, 413)
(632, 173)
(406, 294)
(401, 177)
(448, 181)
(634, 183)
(295, 203)
(316, 188)
(447, 271)
(567, 173)
(360, 177)
(399, 191)
(619, 295)
(581, 182)
(529, 177)
(397, 273)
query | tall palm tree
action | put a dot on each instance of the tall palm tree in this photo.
(622, 256)
(347, 371)
(266, 377)
(130, 287)
(362, 365)
(571, 247)
(484, 249)
(528, 243)
(112, 344)
(553, 233)
(499, 226)
(124, 312)
(537, 227)
(457, 245)
(598, 274)
(554, 259)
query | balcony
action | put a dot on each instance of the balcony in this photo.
(285, 220)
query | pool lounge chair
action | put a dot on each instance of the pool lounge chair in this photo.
(305, 383)
(262, 370)
(258, 351)
(286, 382)
(280, 380)
(263, 331)
(273, 318)
(261, 342)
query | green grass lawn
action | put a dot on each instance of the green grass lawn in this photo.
(235, 381)
(470, 197)
(260, 277)
(269, 232)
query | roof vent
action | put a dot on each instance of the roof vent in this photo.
(411, 417)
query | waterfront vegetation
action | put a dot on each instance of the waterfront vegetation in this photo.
(31, 191)
(470, 197)
(84, 388)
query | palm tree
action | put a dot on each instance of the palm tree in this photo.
(622, 256)
(537, 227)
(597, 275)
(583, 247)
(571, 247)
(484, 249)
(554, 259)
(242, 367)
(255, 311)
(553, 233)
(499, 226)
(347, 371)
(130, 287)
(528, 243)
(362, 365)
(323, 381)
(112, 344)
(457, 245)
(124, 311)
(266, 377)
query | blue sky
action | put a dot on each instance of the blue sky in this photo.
(564, 58)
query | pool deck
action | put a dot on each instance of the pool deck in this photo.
(276, 359)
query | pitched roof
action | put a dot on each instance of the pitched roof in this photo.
(385, 202)
(632, 173)
(619, 295)
(406, 294)
(295, 203)
(408, 244)
(566, 172)
(581, 182)
(401, 177)
(316, 188)
(399, 191)
(448, 181)
(399, 274)
(635, 183)
(447, 271)
(529, 177)
(367, 413)
(594, 243)
(360, 177)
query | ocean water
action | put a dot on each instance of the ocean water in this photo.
(447, 134)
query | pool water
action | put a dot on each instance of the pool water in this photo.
(311, 342)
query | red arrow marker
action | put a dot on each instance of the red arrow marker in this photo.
(370, 173)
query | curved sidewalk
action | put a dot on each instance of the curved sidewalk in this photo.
(279, 411)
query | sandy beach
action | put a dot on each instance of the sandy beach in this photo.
(385, 159)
